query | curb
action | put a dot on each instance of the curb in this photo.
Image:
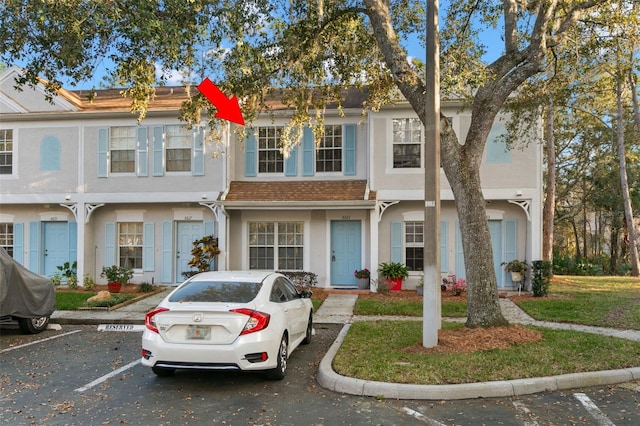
(331, 380)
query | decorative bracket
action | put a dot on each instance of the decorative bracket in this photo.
(73, 208)
(381, 206)
(215, 209)
(525, 205)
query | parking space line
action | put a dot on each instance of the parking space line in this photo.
(108, 376)
(600, 418)
(38, 341)
(421, 417)
(522, 413)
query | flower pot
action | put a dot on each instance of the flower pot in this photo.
(420, 290)
(516, 277)
(363, 283)
(114, 287)
(395, 284)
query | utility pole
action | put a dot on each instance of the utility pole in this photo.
(431, 302)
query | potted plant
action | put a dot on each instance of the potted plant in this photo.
(394, 272)
(362, 275)
(454, 284)
(420, 287)
(116, 276)
(517, 269)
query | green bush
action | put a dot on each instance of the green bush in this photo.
(541, 277)
(146, 287)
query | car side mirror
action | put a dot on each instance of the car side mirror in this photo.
(306, 294)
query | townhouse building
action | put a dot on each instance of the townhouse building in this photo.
(85, 181)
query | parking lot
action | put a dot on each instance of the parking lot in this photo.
(79, 375)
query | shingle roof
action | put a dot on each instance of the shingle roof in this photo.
(312, 191)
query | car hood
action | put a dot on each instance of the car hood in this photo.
(22, 292)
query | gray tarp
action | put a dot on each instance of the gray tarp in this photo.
(23, 293)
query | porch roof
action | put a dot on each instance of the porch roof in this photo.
(323, 193)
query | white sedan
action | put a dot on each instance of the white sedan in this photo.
(248, 320)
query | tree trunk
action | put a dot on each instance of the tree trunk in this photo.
(483, 304)
(628, 210)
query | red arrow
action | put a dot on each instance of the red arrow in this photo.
(228, 108)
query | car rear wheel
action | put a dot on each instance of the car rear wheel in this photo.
(163, 371)
(33, 325)
(280, 370)
(307, 337)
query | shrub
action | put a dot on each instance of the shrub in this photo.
(301, 278)
(541, 277)
(88, 283)
(145, 287)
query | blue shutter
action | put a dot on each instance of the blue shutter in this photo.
(103, 152)
(73, 241)
(109, 244)
(291, 163)
(142, 160)
(158, 151)
(460, 268)
(510, 243)
(50, 153)
(34, 247)
(198, 152)
(167, 239)
(349, 149)
(444, 259)
(396, 242)
(307, 152)
(496, 146)
(250, 154)
(148, 247)
(510, 240)
(18, 242)
(209, 229)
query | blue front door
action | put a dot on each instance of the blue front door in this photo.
(495, 229)
(345, 252)
(188, 232)
(55, 245)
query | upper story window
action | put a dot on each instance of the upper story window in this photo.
(6, 237)
(178, 149)
(408, 138)
(270, 159)
(329, 153)
(6, 151)
(122, 149)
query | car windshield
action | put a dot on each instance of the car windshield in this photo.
(216, 291)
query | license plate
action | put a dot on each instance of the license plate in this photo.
(198, 332)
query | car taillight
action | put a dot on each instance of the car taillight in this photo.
(257, 320)
(150, 320)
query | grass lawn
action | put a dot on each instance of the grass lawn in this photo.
(407, 307)
(391, 351)
(70, 300)
(379, 351)
(612, 302)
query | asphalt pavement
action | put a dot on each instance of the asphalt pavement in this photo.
(338, 309)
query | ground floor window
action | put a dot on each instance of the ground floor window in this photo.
(6, 237)
(276, 245)
(130, 243)
(414, 245)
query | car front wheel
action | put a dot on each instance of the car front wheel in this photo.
(33, 325)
